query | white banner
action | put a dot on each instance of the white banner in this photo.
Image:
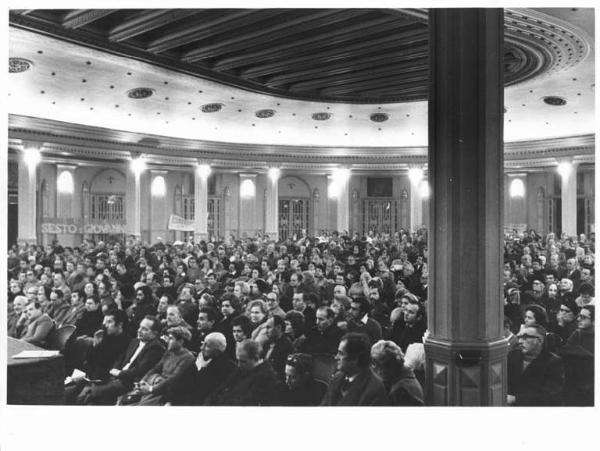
(179, 223)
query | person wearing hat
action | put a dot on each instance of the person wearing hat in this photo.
(171, 376)
(302, 388)
(565, 323)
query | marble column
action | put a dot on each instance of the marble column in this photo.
(341, 181)
(465, 349)
(568, 174)
(201, 203)
(27, 187)
(272, 204)
(134, 214)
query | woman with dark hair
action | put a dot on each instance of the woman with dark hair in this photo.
(402, 386)
(294, 328)
(143, 305)
(535, 314)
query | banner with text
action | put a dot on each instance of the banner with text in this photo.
(182, 224)
(71, 226)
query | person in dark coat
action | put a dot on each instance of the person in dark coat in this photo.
(355, 384)
(413, 329)
(108, 345)
(143, 306)
(566, 319)
(278, 345)
(254, 383)
(141, 355)
(536, 377)
(302, 388)
(213, 366)
(325, 337)
(361, 322)
(399, 380)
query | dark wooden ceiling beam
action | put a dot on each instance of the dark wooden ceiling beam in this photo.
(370, 75)
(371, 83)
(203, 29)
(352, 70)
(274, 52)
(145, 21)
(81, 17)
(309, 25)
(240, 42)
(317, 69)
(416, 14)
(365, 46)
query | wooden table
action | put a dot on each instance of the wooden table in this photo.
(37, 381)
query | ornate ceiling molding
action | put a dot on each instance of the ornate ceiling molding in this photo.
(76, 142)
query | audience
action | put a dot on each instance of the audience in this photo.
(278, 312)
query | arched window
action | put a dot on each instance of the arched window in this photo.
(64, 183)
(159, 188)
(517, 188)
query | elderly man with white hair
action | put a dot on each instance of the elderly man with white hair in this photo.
(213, 366)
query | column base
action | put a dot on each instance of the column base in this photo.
(465, 373)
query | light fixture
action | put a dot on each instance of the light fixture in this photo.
(203, 171)
(517, 188)
(138, 165)
(64, 183)
(247, 189)
(159, 187)
(415, 175)
(31, 156)
(424, 189)
(274, 174)
(564, 168)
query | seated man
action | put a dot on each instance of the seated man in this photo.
(173, 319)
(141, 355)
(355, 384)
(414, 327)
(278, 345)
(59, 307)
(255, 383)
(325, 337)
(17, 318)
(566, 319)
(361, 322)
(171, 376)
(39, 327)
(108, 345)
(536, 377)
(213, 367)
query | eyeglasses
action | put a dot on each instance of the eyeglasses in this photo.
(580, 316)
(565, 310)
(526, 336)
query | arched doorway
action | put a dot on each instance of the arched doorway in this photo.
(294, 207)
(107, 201)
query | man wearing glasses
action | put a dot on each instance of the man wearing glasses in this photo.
(536, 377)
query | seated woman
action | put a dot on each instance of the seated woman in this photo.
(400, 382)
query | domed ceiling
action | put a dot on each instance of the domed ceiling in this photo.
(321, 77)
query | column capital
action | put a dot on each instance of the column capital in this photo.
(66, 167)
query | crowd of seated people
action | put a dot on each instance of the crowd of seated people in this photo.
(328, 320)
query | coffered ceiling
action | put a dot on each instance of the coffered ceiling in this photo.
(310, 77)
